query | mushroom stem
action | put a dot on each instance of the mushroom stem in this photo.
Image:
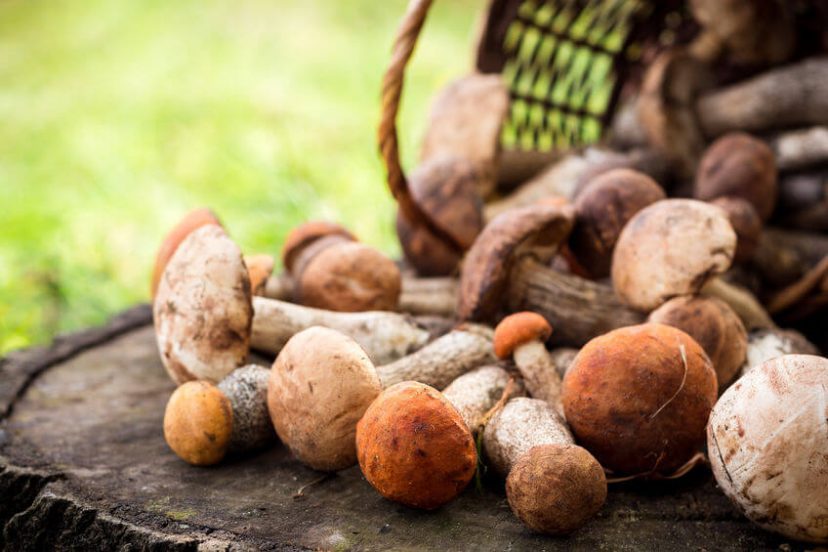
(278, 287)
(442, 360)
(246, 389)
(385, 336)
(743, 303)
(801, 148)
(539, 372)
(434, 296)
(578, 309)
(475, 393)
(787, 96)
(562, 358)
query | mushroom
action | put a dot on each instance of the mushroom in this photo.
(433, 296)
(475, 393)
(259, 268)
(207, 274)
(504, 270)
(801, 148)
(768, 449)
(204, 422)
(553, 486)
(601, 211)
(322, 382)
(522, 336)
(739, 165)
(745, 222)
(191, 221)
(466, 120)
(332, 271)
(638, 398)
(714, 326)
(742, 301)
(414, 447)
(767, 344)
(673, 247)
(444, 188)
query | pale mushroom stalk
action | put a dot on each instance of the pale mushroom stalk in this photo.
(435, 296)
(278, 287)
(743, 303)
(442, 360)
(385, 336)
(475, 393)
(246, 389)
(801, 148)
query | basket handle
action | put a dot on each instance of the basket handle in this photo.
(392, 83)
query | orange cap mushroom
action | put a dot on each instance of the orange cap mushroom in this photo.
(198, 423)
(518, 329)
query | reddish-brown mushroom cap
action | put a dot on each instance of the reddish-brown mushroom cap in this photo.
(539, 228)
(198, 423)
(518, 329)
(638, 398)
(305, 234)
(737, 164)
(555, 489)
(193, 220)
(414, 447)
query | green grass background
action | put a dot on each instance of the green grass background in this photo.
(119, 116)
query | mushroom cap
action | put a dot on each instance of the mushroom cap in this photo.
(518, 329)
(198, 423)
(350, 277)
(305, 234)
(540, 228)
(320, 386)
(206, 275)
(555, 489)
(191, 221)
(745, 222)
(414, 447)
(737, 164)
(714, 326)
(638, 398)
(670, 248)
(768, 448)
(259, 268)
(246, 389)
(445, 188)
(601, 211)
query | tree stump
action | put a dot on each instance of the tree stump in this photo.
(84, 465)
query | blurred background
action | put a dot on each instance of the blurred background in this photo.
(118, 117)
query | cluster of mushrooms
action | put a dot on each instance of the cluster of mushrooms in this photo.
(614, 317)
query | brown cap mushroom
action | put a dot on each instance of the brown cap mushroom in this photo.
(414, 447)
(555, 489)
(485, 274)
(714, 326)
(198, 423)
(671, 248)
(192, 221)
(320, 385)
(745, 222)
(737, 164)
(638, 398)
(601, 211)
(203, 310)
(444, 187)
(305, 234)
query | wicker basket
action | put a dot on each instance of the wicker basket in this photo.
(566, 63)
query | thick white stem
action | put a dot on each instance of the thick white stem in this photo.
(475, 393)
(444, 359)
(278, 287)
(435, 296)
(519, 426)
(539, 372)
(385, 336)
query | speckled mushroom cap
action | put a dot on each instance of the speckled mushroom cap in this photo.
(445, 188)
(203, 310)
(198, 423)
(307, 233)
(601, 211)
(737, 164)
(192, 221)
(555, 489)
(768, 447)
(673, 247)
(246, 389)
(320, 385)
(714, 326)
(540, 228)
(518, 329)
(350, 277)
(414, 447)
(638, 398)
